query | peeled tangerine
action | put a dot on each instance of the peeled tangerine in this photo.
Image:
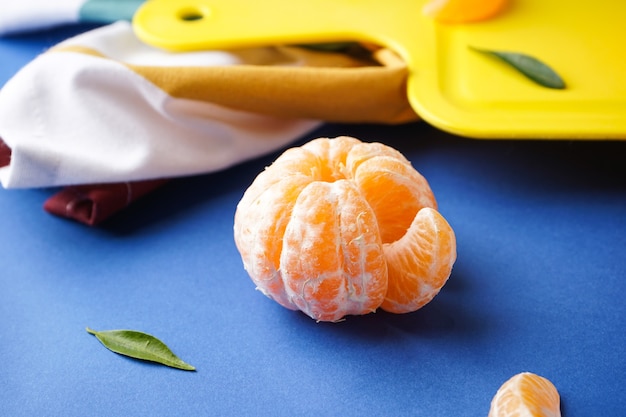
(340, 227)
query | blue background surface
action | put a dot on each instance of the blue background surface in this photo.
(538, 286)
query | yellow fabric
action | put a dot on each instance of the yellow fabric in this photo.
(329, 86)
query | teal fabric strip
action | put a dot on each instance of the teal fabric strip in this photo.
(108, 11)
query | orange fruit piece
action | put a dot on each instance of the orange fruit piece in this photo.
(463, 11)
(526, 395)
(340, 227)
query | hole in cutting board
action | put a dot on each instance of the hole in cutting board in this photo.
(192, 14)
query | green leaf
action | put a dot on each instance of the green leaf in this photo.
(529, 66)
(140, 346)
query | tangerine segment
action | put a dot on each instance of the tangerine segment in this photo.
(293, 161)
(419, 263)
(262, 215)
(463, 11)
(332, 261)
(526, 395)
(396, 192)
(332, 155)
(259, 224)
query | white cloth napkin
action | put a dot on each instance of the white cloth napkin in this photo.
(72, 117)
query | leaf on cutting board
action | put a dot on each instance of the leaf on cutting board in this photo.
(140, 345)
(529, 66)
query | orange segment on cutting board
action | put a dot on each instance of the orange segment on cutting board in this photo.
(450, 85)
(463, 11)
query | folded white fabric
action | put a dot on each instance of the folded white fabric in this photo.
(27, 15)
(75, 118)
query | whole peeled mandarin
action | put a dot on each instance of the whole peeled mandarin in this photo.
(340, 227)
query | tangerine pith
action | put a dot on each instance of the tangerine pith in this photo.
(341, 227)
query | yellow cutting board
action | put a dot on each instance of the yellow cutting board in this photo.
(450, 85)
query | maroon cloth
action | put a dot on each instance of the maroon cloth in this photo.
(5, 154)
(92, 204)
